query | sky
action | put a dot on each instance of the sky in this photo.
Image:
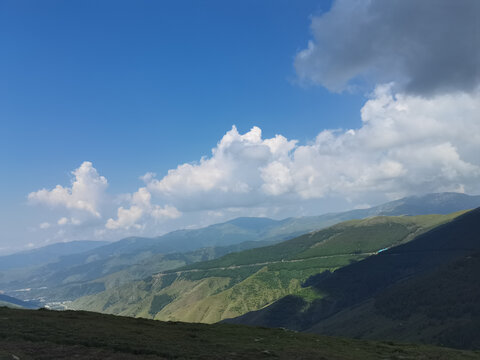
(122, 118)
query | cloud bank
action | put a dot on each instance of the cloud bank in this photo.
(426, 47)
(406, 145)
(85, 194)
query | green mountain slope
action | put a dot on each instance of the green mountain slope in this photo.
(249, 280)
(71, 287)
(27, 334)
(425, 290)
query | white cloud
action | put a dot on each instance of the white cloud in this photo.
(44, 225)
(85, 193)
(228, 178)
(126, 218)
(167, 211)
(406, 144)
(62, 221)
(141, 206)
(72, 221)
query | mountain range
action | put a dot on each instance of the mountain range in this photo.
(249, 280)
(46, 254)
(79, 273)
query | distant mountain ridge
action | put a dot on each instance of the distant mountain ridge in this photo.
(10, 301)
(47, 253)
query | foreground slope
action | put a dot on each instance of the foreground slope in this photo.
(41, 334)
(249, 280)
(425, 290)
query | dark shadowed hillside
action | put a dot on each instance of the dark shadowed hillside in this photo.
(441, 307)
(396, 280)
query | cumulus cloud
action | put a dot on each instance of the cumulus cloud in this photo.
(140, 206)
(426, 47)
(44, 225)
(227, 178)
(126, 218)
(85, 193)
(64, 221)
(406, 144)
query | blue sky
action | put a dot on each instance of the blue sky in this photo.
(123, 83)
(145, 86)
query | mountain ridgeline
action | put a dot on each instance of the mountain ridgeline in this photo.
(46, 254)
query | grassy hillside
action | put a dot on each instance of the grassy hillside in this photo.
(42, 334)
(249, 280)
(425, 290)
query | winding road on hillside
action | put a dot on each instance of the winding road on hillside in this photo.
(232, 267)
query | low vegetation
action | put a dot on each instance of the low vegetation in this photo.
(45, 334)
